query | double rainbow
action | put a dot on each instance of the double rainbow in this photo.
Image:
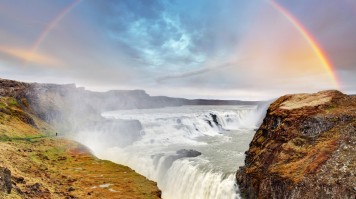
(289, 16)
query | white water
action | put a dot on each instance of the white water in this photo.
(221, 133)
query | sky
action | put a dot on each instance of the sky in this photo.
(226, 49)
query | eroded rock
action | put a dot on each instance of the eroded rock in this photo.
(5, 180)
(305, 148)
(188, 153)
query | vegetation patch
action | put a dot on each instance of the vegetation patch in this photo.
(44, 166)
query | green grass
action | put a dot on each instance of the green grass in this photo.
(13, 102)
(29, 138)
(330, 107)
(3, 105)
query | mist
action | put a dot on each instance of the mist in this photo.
(171, 145)
(165, 139)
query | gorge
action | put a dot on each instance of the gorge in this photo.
(303, 145)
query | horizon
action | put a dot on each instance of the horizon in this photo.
(232, 99)
(232, 50)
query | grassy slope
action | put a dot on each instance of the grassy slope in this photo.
(57, 168)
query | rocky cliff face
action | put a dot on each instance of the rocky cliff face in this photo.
(61, 103)
(305, 148)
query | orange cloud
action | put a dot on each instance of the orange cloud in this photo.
(280, 52)
(28, 56)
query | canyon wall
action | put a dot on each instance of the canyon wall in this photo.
(305, 148)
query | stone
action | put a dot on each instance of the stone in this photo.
(305, 148)
(5, 180)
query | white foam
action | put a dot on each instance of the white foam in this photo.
(221, 134)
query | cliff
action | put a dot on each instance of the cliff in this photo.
(67, 107)
(55, 94)
(35, 163)
(305, 148)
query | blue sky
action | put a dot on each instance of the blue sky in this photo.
(226, 49)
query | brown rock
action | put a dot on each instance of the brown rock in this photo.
(5, 180)
(305, 148)
(37, 190)
(70, 189)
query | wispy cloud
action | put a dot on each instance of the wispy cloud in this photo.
(193, 73)
(160, 40)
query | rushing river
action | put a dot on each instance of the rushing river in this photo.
(190, 151)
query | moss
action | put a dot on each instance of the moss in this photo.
(2, 105)
(13, 102)
(16, 122)
(331, 106)
(261, 139)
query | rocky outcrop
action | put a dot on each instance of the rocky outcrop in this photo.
(305, 148)
(5, 180)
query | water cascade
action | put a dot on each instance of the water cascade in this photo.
(190, 151)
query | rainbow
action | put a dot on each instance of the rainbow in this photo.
(289, 16)
(310, 39)
(53, 23)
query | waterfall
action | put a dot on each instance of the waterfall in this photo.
(190, 151)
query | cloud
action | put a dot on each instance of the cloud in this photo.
(25, 56)
(159, 35)
(159, 41)
(179, 47)
(193, 73)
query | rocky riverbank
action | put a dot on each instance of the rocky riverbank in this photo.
(305, 148)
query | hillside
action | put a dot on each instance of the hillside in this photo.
(35, 163)
(305, 148)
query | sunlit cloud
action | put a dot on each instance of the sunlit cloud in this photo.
(25, 57)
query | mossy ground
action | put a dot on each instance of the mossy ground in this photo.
(17, 122)
(44, 166)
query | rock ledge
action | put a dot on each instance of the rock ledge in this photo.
(305, 148)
